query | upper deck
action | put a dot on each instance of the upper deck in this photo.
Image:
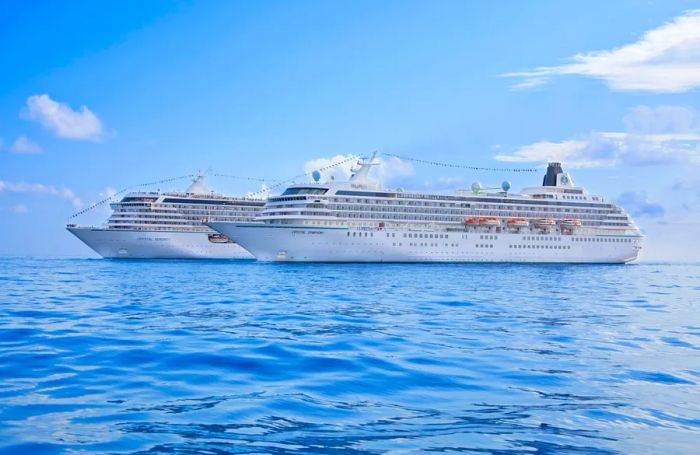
(362, 201)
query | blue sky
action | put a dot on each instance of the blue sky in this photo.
(102, 95)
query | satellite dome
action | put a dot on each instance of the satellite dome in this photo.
(476, 187)
(505, 186)
(316, 175)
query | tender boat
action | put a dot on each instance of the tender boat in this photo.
(545, 223)
(570, 223)
(471, 221)
(219, 238)
(517, 222)
(489, 221)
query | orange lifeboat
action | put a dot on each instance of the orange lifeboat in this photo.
(544, 223)
(489, 221)
(570, 223)
(517, 222)
(471, 221)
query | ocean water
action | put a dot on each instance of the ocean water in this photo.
(213, 357)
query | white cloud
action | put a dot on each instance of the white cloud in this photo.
(262, 193)
(665, 59)
(23, 145)
(39, 188)
(662, 135)
(637, 204)
(20, 208)
(391, 167)
(687, 185)
(63, 121)
(107, 193)
(388, 168)
(445, 183)
(662, 120)
(340, 172)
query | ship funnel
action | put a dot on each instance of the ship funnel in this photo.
(550, 178)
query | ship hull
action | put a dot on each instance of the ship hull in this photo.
(143, 244)
(340, 244)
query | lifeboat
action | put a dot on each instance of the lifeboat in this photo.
(570, 223)
(489, 221)
(471, 221)
(517, 222)
(544, 223)
(219, 238)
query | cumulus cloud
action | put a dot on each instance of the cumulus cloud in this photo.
(39, 188)
(665, 59)
(340, 172)
(20, 208)
(388, 167)
(638, 205)
(687, 185)
(262, 193)
(445, 183)
(661, 135)
(662, 120)
(23, 145)
(107, 193)
(62, 120)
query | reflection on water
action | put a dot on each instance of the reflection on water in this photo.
(215, 357)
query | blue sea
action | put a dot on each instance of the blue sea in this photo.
(213, 357)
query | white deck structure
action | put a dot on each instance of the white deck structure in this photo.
(170, 225)
(358, 221)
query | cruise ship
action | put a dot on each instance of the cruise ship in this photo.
(153, 225)
(358, 221)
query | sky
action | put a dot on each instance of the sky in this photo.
(104, 95)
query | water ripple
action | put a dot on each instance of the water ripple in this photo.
(239, 357)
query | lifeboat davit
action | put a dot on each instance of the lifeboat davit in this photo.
(544, 223)
(489, 221)
(471, 221)
(570, 223)
(517, 222)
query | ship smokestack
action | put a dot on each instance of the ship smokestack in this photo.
(550, 178)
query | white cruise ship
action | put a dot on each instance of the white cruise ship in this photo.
(170, 225)
(357, 221)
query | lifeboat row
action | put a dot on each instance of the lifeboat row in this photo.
(542, 223)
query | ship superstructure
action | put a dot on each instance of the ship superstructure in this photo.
(170, 225)
(358, 221)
